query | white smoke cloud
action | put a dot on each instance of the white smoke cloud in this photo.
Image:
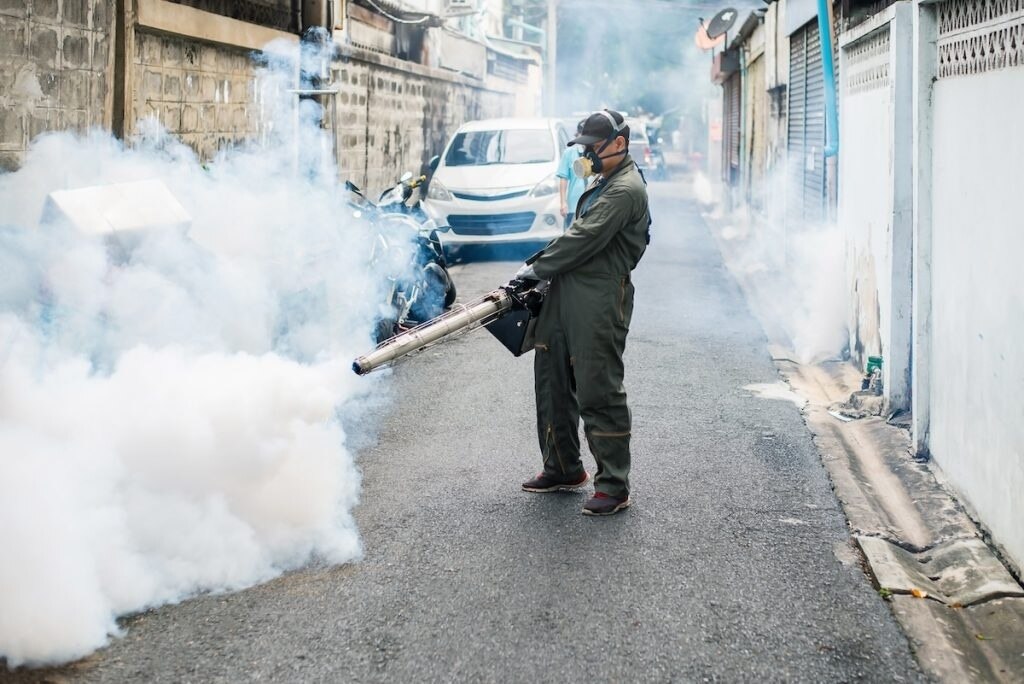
(794, 276)
(170, 401)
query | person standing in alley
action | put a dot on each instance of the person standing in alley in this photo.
(582, 328)
(570, 186)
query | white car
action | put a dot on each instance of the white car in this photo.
(496, 184)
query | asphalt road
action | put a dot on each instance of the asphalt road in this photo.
(733, 564)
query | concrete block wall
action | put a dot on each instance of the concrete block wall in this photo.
(391, 117)
(204, 94)
(391, 121)
(57, 72)
(56, 67)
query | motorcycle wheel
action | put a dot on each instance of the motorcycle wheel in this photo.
(430, 302)
(383, 329)
(450, 293)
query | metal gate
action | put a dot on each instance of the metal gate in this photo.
(806, 136)
(731, 134)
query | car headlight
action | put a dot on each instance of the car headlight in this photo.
(438, 192)
(548, 186)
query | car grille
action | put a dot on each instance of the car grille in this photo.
(491, 224)
(488, 198)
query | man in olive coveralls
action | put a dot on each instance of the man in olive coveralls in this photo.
(581, 331)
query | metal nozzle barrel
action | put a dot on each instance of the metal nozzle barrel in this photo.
(458, 319)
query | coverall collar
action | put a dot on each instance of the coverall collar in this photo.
(627, 161)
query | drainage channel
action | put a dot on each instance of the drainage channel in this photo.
(961, 608)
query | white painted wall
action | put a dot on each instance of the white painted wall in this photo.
(865, 211)
(876, 193)
(977, 296)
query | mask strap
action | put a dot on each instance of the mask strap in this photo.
(616, 128)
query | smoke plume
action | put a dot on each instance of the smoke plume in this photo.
(172, 395)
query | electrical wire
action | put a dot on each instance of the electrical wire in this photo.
(424, 18)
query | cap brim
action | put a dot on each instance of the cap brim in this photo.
(585, 140)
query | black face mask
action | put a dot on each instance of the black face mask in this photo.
(596, 160)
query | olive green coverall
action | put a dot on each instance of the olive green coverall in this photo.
(581, 331)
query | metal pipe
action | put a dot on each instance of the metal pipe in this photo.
(528, 27)
(550, 58)
(831, 110)
(459, 319)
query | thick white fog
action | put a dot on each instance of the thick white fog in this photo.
(172, 394)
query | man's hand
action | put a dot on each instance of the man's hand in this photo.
(564, 209)
(526, 273)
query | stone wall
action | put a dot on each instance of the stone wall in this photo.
(57, 71)
(393, 120)
(201, 92)
(392, 116)
(56, 66)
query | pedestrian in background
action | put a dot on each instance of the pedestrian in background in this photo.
(582, 328)
(570, 186)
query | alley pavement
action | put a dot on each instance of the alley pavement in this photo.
(733, 564)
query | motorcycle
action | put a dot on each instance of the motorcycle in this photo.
(422, 288)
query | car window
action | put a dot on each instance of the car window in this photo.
(478, 148)
(637, 133)
(563, 137)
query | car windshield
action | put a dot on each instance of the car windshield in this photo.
(477, 148)
(637, 131)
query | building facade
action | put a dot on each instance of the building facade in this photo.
(403, 77)
(925, 193)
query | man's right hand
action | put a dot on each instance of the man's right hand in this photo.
(526, 273)
(564, 209)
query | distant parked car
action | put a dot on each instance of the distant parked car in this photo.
(645, 152)
(496, 184)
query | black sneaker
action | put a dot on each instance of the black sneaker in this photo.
(546, 483)
(605, 504)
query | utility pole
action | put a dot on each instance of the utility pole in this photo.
(551, 58)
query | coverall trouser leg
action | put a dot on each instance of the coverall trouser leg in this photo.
(558, 416)
(579, 373)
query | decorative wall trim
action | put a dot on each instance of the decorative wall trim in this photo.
(866, 65)
(976, 36)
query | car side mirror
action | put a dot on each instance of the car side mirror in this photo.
(434, 162)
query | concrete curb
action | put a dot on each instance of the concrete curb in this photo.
(961, 608)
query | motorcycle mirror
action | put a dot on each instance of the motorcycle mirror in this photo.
(444, 229)
(406, 177)
(433, 163)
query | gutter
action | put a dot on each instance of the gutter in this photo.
(831, 110)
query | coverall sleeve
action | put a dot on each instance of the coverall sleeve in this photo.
(587, 235)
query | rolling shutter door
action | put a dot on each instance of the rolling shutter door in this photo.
(806, 127)
(732, 139)
(814, 127)
(797, 109)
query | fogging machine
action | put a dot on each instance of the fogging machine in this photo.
(509, 313)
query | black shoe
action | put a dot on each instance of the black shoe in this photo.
(546, 483)
(605, 504)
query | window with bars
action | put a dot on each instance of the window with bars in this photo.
(276, 14)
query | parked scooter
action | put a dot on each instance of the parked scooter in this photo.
(421, 287)
(405, 198)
